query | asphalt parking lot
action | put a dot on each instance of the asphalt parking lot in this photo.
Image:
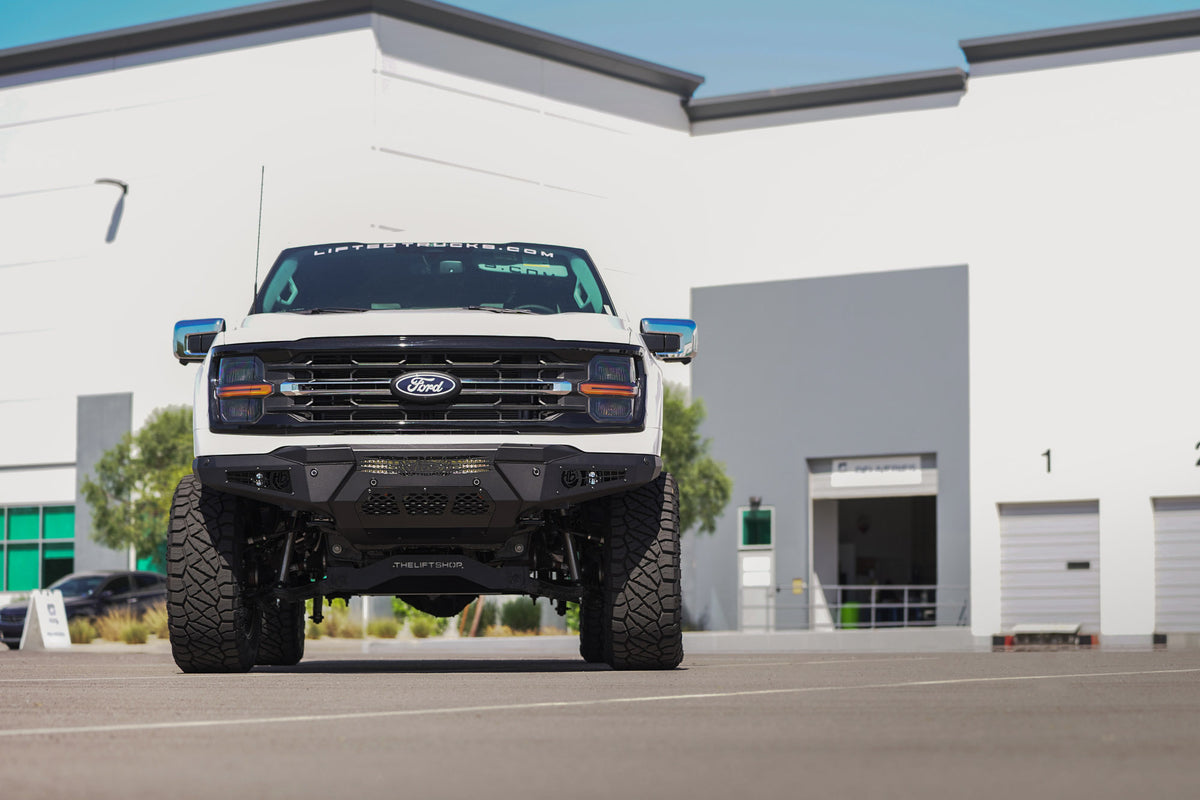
(113, 723)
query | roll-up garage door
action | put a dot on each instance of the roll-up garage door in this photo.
(1177, 564)
(1050, 564)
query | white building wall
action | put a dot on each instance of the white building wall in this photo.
(187, 129)
(1068, 191)
(1083, 280)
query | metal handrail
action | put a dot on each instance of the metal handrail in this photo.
(869, 606)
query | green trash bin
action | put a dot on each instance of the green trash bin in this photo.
(849, 615)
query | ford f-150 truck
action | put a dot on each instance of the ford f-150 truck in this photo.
(434, 421)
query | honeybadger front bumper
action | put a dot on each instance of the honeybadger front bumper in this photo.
(426, 496)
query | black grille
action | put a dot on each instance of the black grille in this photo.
(470, 505)
(380, 504)
(352, 387)
(425, 504)
(509, 384)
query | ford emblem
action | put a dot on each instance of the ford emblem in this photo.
(426, 387)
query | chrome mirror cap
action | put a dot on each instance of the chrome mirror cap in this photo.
(193, 337)
(671, 339)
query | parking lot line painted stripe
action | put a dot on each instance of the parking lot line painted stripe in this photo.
(743, 664)
(229, 676)
(429, 712)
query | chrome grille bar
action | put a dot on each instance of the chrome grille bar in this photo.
(471, 386)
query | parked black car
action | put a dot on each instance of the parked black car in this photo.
(91, 595)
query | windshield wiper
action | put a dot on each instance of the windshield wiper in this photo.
(496, 310)
(329, 310)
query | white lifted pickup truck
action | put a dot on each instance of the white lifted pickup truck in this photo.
(434, 421)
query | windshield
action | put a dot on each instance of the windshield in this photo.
(83, 586)
(516, 277)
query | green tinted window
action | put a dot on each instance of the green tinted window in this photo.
(23, 524)
(58, 560)
(58, 522)
(22, 568)
(756, 526)
(58, 551)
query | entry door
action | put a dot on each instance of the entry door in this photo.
(1050, 564)
(756, 601)
(1177, 564)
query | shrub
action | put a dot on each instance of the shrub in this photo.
(120, 625)
(487, 617)
(422, 626)
(521, 614)
(111, 624)
(135, 633)
(337, 622)
(401, 609)
(572, 616)
(82, 631)
(383, 628)
(155, 619)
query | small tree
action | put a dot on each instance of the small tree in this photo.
(131, 489)
(704, 488)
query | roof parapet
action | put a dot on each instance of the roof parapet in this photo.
(286, 13)
(1050, 41)
(864, 90)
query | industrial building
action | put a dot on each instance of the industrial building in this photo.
(947, 317)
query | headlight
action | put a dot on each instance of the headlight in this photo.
(240, 389)
(611, 388)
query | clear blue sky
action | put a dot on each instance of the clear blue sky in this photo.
(738, 45)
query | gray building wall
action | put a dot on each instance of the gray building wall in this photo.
(858, 365)
(102, 420)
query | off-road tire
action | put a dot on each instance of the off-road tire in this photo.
(214, 627)
(591, 629)
(642, 609)
(281, 640)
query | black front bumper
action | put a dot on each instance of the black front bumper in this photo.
(429, 494)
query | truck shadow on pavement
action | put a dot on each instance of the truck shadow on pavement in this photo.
(406, 666)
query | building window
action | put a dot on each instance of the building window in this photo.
(756, 527)
(36, 546)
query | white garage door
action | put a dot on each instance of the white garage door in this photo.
(1050, 564)
(1177, 564)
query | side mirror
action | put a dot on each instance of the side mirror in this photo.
(193, 337)
(671, 339)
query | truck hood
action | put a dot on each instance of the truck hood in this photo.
(448, 322)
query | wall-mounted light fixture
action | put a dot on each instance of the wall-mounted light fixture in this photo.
(124, 187)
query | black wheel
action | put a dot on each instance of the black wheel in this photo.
(13, 645)
(641, 612)
(214, 625)
(281, 641)
(591, 630)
